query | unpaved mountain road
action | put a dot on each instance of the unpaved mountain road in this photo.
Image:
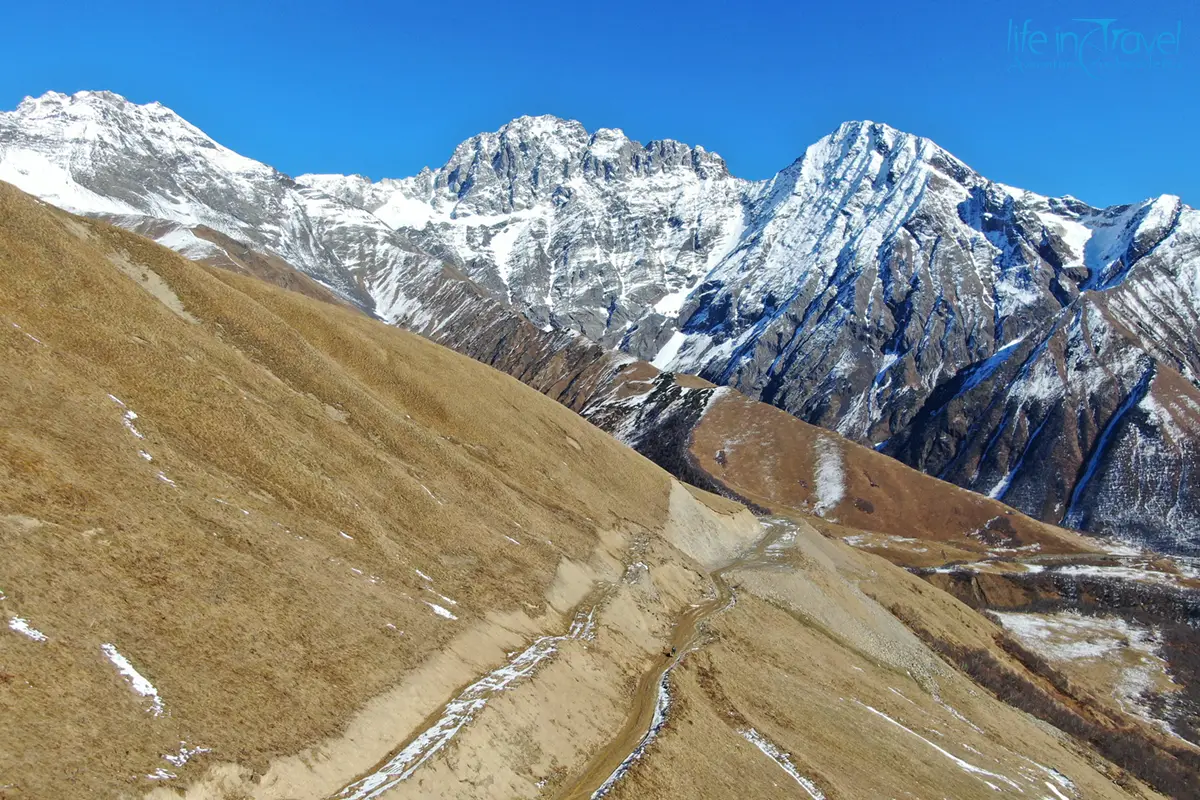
(607, 766)
(440, 727)
(610, 763)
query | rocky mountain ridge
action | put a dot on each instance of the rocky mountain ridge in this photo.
(1035, 349)
(260, 545)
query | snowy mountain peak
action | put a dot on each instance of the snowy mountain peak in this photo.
(883, 151)
(877, 136)
(101, 109)
(97, 153)
(867, 287)
(91, 127)
(54, 99)
(542, 125)
(539, 137)
(608, 144)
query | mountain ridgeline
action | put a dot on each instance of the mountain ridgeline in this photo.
(1037, 350)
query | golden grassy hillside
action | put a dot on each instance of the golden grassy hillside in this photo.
(261, 571)
(238, 518)
(773, 459)
(810, 663)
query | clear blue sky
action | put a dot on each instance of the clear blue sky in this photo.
(383, 89)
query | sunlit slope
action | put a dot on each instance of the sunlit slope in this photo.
(258, 545)
(253, 542)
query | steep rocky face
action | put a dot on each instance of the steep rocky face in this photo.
(1085, 422)
(878, 266)
(589, 232)
(1035, 349)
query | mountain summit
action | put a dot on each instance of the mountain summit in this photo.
(1034, 349)
(579, 230)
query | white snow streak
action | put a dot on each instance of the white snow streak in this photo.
(461, 710)
(963, 765)
(138, 683)
(184, 754)
(445, 599)
(830, 475)
(21, 625)
(128, 417)
(661, 706)
(128, 420)
(1058, 794)
(783, 760)
(670, 350)
(441, 612)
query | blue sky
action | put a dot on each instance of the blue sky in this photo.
(383, 89)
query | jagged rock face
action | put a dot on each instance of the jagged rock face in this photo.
(876, 268)
(1036, 349)
(1087, 421)
(590, 232)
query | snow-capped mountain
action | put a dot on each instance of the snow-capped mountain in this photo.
(995, 337)
(591, 232)
(96, 153)
(878, 265)
(1036, 349)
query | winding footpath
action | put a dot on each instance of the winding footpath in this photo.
(652, 695)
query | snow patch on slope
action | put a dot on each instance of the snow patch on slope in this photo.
(784, 761)
(461, 710)
(1133, 650)
(22, 626)
(966, 766)
(829, 475)
(136, 681)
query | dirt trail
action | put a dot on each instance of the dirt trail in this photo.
(441, 726)
(607, 766)
(610, 763)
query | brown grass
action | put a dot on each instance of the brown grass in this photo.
(1172, 770)
(774, 667)
(768, 457)
(261, 630)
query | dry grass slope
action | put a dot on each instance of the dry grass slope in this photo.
(243, 489)
(770, 458)
(261, 570)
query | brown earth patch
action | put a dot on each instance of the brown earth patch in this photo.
(769, 457)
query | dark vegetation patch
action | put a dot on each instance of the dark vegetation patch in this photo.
(864, 505)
